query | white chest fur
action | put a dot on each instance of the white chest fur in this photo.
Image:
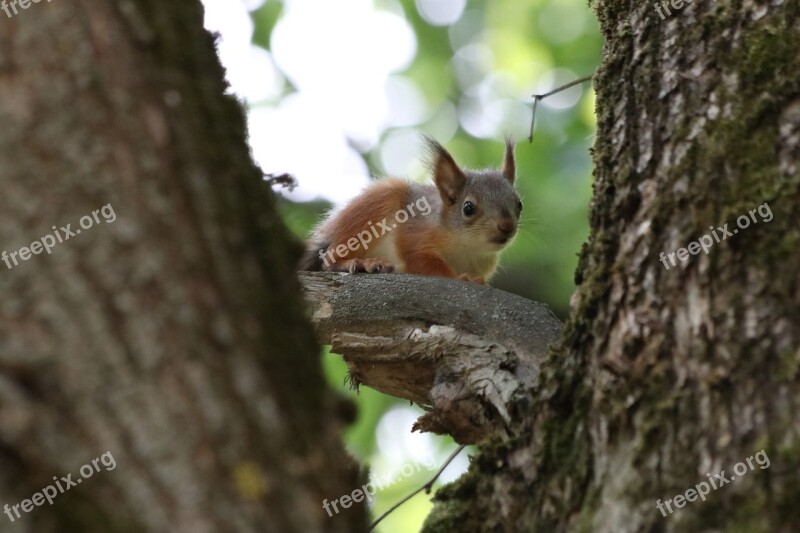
(469, 255)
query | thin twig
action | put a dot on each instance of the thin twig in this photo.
(537, 97)
(426, 487)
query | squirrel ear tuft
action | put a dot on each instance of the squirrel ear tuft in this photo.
(509, 166)
(449, 178)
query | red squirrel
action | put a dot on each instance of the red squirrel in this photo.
(454, 228)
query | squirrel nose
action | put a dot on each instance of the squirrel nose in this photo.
(507, 226)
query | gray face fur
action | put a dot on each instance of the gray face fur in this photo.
(496, 206)
(481, 207)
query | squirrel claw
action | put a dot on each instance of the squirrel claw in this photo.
(370, 266)
(467, 277)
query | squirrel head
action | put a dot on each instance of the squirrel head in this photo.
(481, 205)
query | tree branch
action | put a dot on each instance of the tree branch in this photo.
(462, 351)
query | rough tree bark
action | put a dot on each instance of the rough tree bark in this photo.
(174, 337)
(663, 376)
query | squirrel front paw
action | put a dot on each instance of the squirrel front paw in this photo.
(370, 266)
(467, 277)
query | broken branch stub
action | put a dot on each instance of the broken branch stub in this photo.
(463, 352)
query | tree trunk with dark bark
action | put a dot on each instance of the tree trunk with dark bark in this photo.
(172, 334)
(666, 376)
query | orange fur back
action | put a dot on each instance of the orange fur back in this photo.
(377, 202)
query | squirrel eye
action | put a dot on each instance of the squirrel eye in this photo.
(469, 208)
(519, 205)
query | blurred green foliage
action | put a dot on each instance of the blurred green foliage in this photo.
(528, 40)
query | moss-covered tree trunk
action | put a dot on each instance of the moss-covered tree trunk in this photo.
(666, 375)
(168, 330)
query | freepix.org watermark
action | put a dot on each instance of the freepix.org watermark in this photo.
(365, 237)
(59, 235)
(368, 490)
(676, 5)
(705, 243)
(62, 485)
(23, 4)
(714, 482)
